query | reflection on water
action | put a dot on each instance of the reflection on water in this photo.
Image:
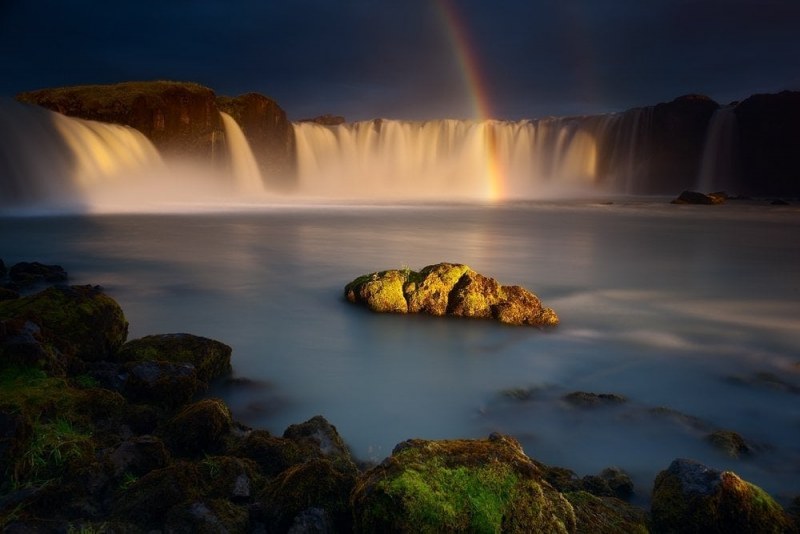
(689, 309)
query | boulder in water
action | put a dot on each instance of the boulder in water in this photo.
(694, 197)
(209, 357)
(448, 289)
(691, 497)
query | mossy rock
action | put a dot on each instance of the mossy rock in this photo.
(79, 321)
(235, 479)
(317, 438)
(272, 454)
(729, 442)
(314, 484)
(448, 289)
(459, 486)
(164, 384)
(583, 399)
(207, 516)
(606, 515)
(199, 428)
(689, 497)
(211, 358)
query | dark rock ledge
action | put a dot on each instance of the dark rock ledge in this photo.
(448, 289)
(102, 434)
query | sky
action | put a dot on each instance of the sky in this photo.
(413, 59)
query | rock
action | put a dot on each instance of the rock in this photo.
(22, 343)
(8, 294)
(161, 383)
(318, 438)
(269, 133)
(606, 515)
(690, 497)
(138, 456)
(181, 119)
(618, 481)
(210, 358)
(272, 454)
(214, 515)
(730, 442)
(767, 132)
(199, 428)
(693, 197)
(26, 274)
(326, 120)
(459, 485)
(448, 289)
(231, 478)
(79, 321)
(315, 484)
(779, 202)
(583, 399)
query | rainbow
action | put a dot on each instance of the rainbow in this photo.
(467, 60)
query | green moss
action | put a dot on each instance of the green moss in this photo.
(56, 446)
(440, 499)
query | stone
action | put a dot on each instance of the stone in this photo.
(161, 383)
(138, 456)
(691, 497)
(272, 454)
(458, 486)
(319, 439)
(729, 442)
(694, 197)
(583, 399)
(209, 357)
(26, 274)
(606, 515)
(78, 321)
(199, 428)
(448, 289)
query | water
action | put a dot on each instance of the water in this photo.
(671, 306)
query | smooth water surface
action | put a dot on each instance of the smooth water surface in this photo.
(695, 309)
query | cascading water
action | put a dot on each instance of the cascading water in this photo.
(246, 173)
(719, 168)
(474, 160)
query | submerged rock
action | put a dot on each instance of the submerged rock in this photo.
(691, 497)
(730, 442)
(459, 486)
(582, 399)
(209, 357)
(448, 289)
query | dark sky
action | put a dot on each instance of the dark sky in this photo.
(394, 58)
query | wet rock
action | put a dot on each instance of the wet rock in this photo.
(199, 428)
(606, 515)
(459, 485)
(765, 379)
(312, 485)
(272, 454)
(209, 357)
(779, 202)
(231, 478)
(79, 321)
(618, 481)
(161, 383)
(730, 442)
(208, 515)
(583, 399)
(448, 289)
(690, 497)
(694, 197)
(689, 421)
(26, 274)
(319, 439)
(138, 456)
(22, 343)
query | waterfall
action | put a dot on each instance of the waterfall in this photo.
(447, 159)
(246, 173)
(46, 156)
(719, 168)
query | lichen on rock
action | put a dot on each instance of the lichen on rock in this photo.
(448, 289)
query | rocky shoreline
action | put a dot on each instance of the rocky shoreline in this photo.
(99, 433)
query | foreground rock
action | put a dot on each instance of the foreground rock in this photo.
(690, 497)
(449, 289)
(459, 486)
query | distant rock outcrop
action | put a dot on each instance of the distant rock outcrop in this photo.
(179, 118)
(449, 289)
(695, 197)
(326, 120)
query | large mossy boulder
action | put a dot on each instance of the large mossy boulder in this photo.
(209, 357)
(75, 321)
(448, 289)
(199, 428)
(689, 497)
(459, 486)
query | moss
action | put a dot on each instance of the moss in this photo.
(272, 454)
(459, 485)
(211, 358)
(606, 515)
(78, 320)
(381, 292)
(432, 292)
